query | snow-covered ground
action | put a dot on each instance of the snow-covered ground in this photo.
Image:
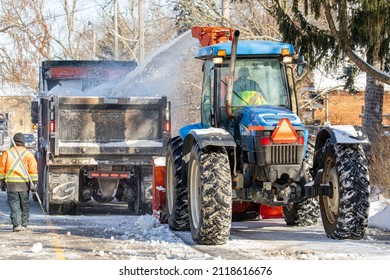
(380, 214)
(142, 242)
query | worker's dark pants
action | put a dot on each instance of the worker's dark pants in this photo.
(18, 202)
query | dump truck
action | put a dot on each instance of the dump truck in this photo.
(251, 149)
(91, 145)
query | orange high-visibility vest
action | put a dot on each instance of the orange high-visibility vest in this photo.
(11, 168)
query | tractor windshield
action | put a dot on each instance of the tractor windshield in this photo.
(256, 82)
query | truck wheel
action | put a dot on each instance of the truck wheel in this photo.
(144, 208)
(63, 209)
(176, 193)
(303, 213)
(210, 195)
(135, 204)
(345, 213)
(306, 212)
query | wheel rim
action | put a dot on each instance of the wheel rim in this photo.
(194, 193)
(331, 204)
(169, 190)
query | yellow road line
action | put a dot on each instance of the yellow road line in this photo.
(57, 243)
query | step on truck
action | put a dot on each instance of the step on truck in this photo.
(92, 146)
(252, 149)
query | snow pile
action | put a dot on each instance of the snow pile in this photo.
(151, 229)
(147, 222)
(64, 90)
(144, 237)
(380, 214)
(37, 247)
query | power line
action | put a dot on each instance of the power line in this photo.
(74, 12)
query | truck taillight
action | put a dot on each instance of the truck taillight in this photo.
(167, 126)
(301, 140)
(108, 175)
(52, 126)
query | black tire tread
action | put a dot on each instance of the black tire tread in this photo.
(178, 220)
(216, 200)
(352, 168)
(306, 212)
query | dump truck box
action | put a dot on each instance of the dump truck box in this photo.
(96, 147)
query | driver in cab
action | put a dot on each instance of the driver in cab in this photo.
(246, 91)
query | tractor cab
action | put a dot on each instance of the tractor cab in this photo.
(261, 78)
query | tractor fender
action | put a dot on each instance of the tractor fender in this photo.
(341, 134)
(338, 134)
(206, 137)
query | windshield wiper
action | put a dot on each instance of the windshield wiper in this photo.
(235, 93)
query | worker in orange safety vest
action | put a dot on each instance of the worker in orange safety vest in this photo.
(15, 180)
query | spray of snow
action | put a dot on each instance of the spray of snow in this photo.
(158, 75)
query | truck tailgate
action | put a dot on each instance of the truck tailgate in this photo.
(98, 125)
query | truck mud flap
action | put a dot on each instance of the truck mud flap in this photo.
(63, 191)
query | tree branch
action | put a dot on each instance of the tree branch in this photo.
(361, 64)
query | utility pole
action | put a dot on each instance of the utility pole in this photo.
(115, 30)
(141, 36)
(92, 28)
(225, 12)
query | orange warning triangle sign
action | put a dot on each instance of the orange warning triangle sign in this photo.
(284, 132)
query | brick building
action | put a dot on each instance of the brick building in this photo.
(19, 109)
(345, 108)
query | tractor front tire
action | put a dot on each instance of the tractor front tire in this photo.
(210, 195)
(345, 213)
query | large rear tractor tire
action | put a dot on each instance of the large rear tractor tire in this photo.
(306, 212)
(210, 195)
(176, 193)
(345, 213)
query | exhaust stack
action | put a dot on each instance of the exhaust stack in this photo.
(232, 67)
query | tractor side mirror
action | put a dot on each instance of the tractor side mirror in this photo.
(301, 65)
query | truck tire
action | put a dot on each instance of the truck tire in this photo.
(63, 209)
(210, 195)
(306, 212)
(345, 213)
(144, 208)
(176, 193)
(135, 204)
(139, 208)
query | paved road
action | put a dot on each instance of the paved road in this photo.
(112, 234)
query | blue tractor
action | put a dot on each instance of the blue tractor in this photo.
(251, 148)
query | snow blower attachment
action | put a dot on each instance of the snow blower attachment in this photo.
(212, 35)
